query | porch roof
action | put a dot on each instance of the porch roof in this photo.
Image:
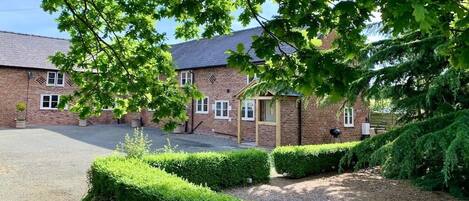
(272, 92)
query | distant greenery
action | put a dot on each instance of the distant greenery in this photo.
(434, 153)
(301, 161)
(120, 179)
(217, 170)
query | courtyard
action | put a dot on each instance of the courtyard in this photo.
(51, 162)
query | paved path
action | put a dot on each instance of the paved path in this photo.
(50, 163)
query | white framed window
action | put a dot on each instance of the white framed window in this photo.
(186, 77)
(348, 117)
(222, 109)
(109, 107)
(267, 110)
(201, 106)
(249, 79)
(50, 101)
(247, 110)
(55, 79)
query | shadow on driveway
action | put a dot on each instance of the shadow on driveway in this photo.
(108, 136)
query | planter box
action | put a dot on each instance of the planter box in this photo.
(82, 123)
(135, 123)
(178, 129)
(20, 123)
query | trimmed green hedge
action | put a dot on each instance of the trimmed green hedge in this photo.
(217, 170)
(120, 179)
(301, 161)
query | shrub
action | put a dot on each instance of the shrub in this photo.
(20, 109)
(217, 170)
(301, 161)
(21, 106)
(136, 145)
(434, 153)
(119, 179)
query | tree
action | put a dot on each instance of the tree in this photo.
(328, 74)
(434, 153)
(407, 71)
(117, 56)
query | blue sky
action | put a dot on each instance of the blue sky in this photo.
(26, 16)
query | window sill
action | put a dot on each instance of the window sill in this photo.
(267, 123)
(53, 109)
(61, 86)
(349, 126)
(201, 112)
(247, 119)
(48, 108)
(222, 118)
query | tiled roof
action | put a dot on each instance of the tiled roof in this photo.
(29, 51)
(211, 52)
(32, 51)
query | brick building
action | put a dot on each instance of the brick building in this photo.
(26, 75)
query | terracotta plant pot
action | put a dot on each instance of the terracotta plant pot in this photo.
(20, 123)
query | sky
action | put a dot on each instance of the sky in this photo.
(26, 16)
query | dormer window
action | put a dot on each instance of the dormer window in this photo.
(186, 77)
(55, 79)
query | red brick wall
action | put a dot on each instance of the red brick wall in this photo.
(106, 117)
(266, 135)
(43, 116)
(228, 82)
(147, 117)
(248, 131)
(13, 85)
(289, 121)
(14, 88)
(317, 121)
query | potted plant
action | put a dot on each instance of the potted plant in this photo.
(82, 122)
(21, 115)
(135, 120)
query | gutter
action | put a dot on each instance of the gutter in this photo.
(192, 105)
(300, 122)
(211, 66)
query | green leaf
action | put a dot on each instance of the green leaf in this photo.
(315, 42)
(420, 14)
(240, 48)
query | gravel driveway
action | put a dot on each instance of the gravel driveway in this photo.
(359, 186)
(50, 163)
